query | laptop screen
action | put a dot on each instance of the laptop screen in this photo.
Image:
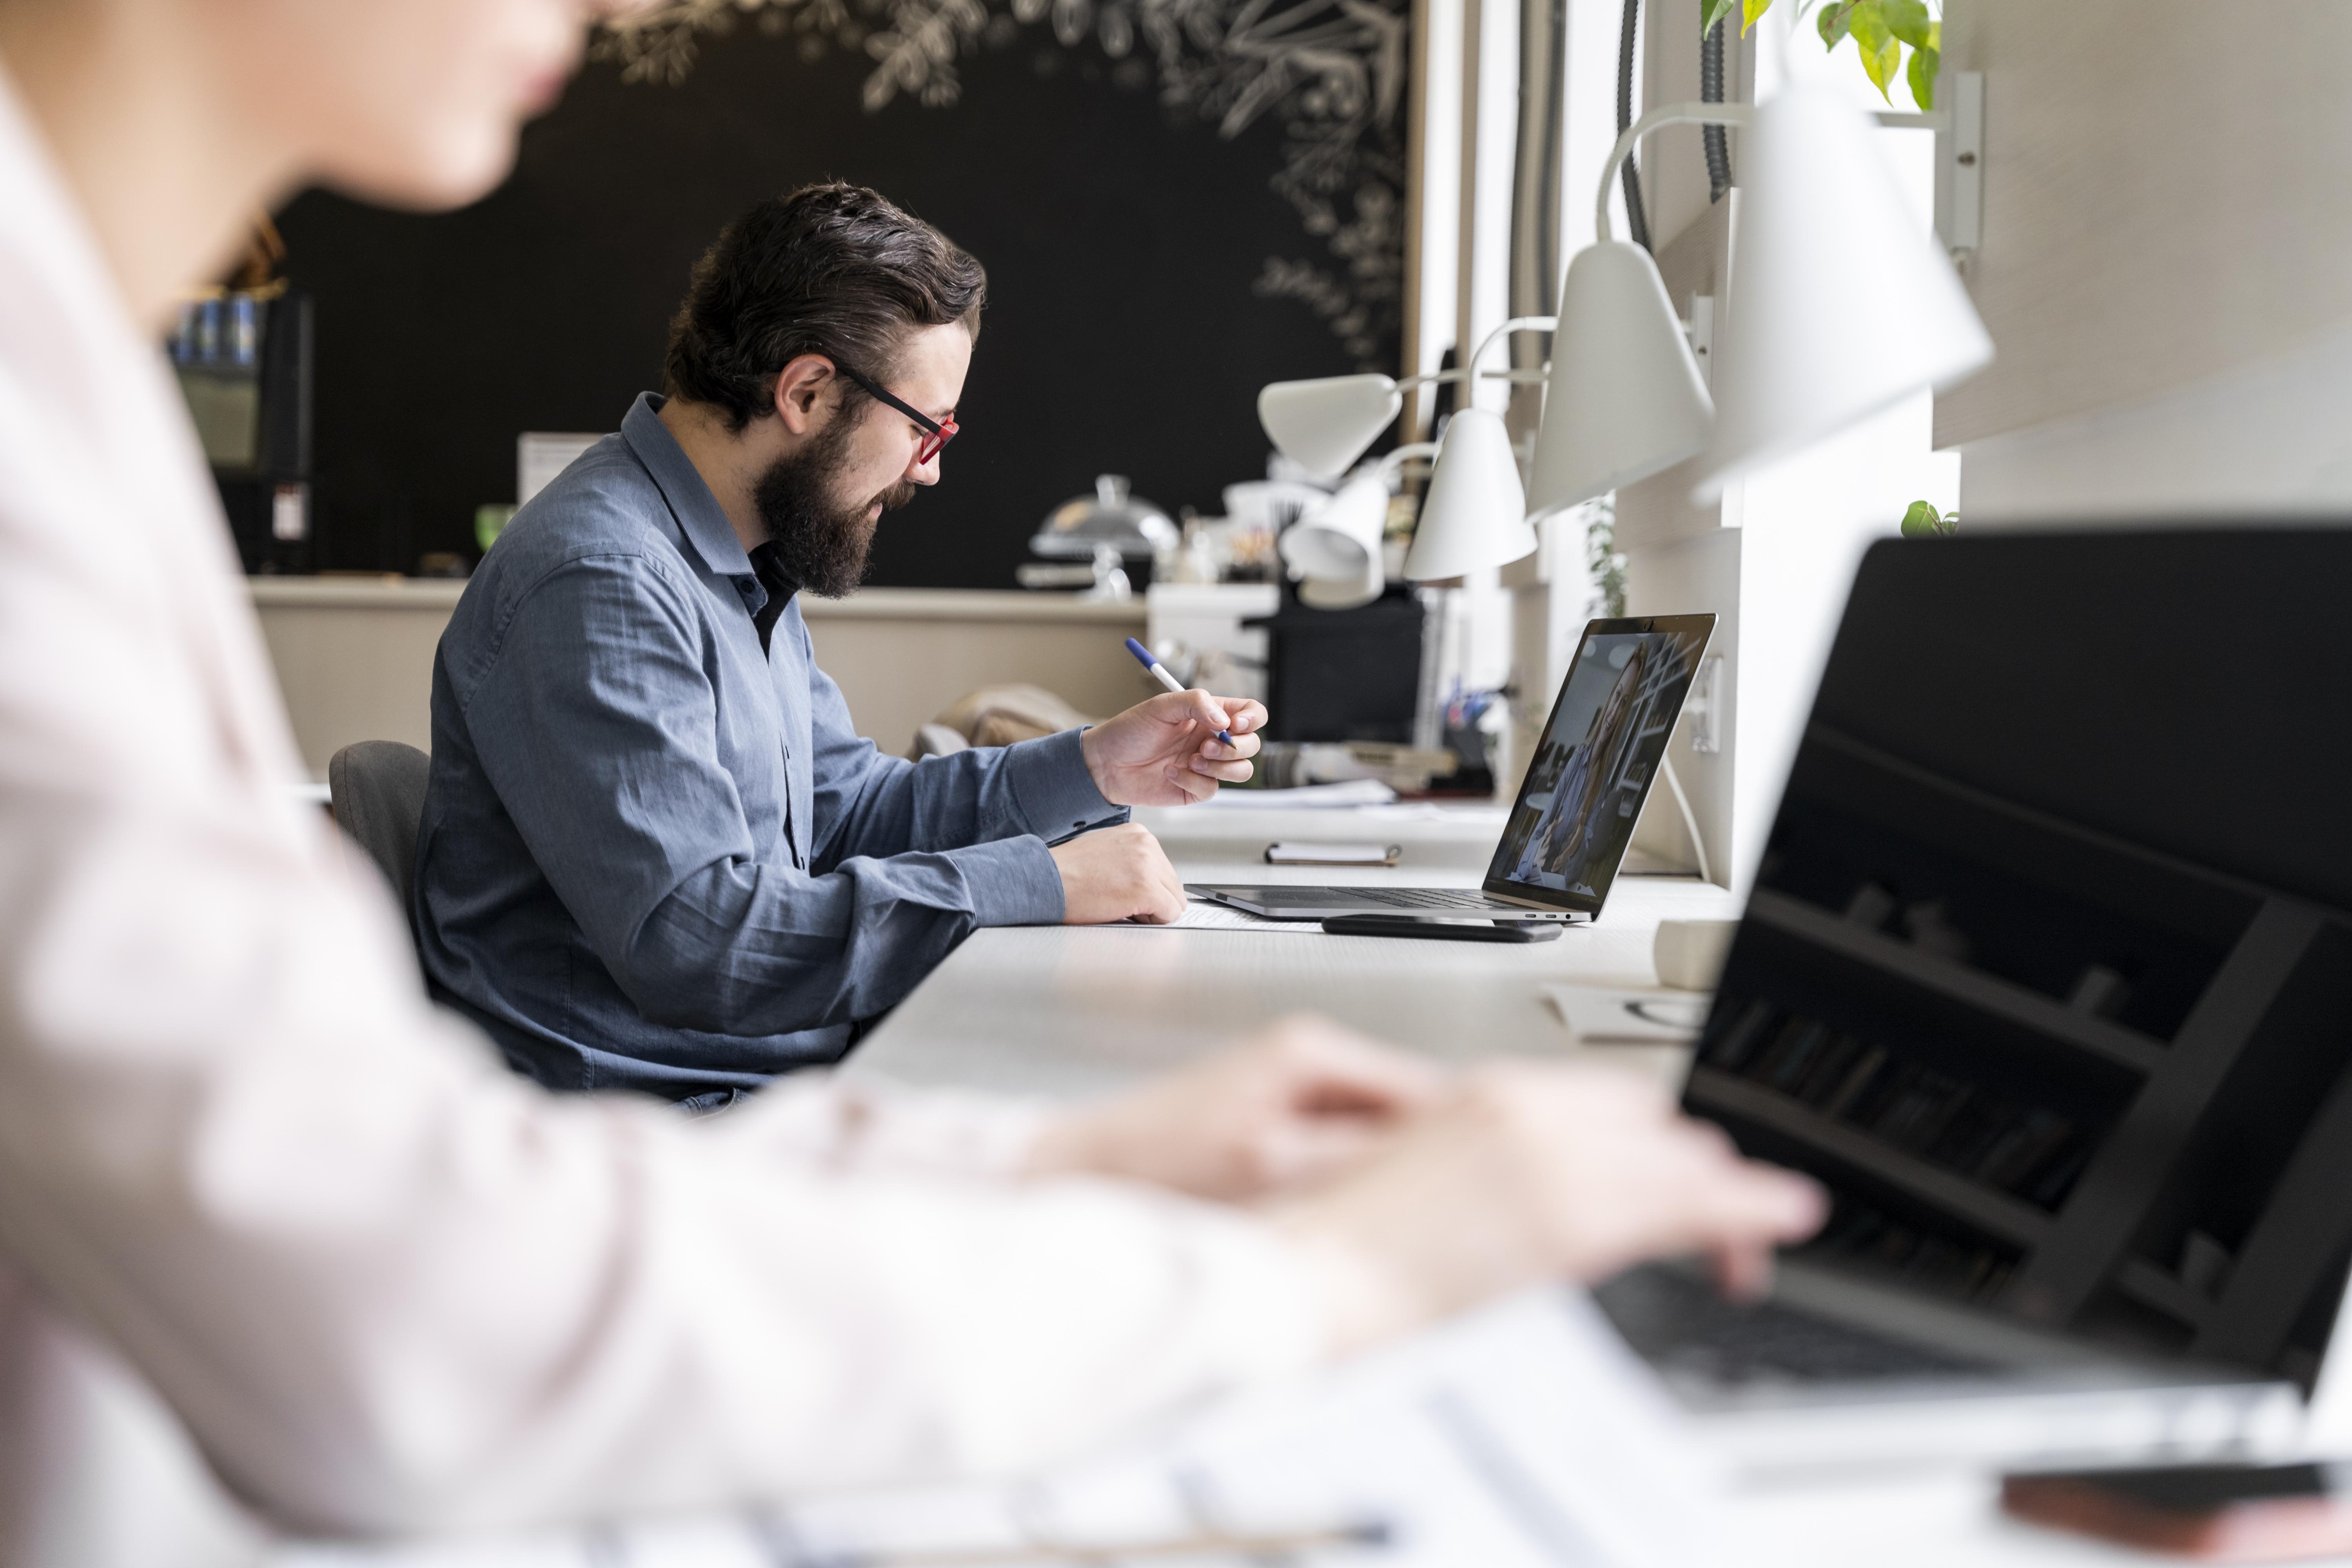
(1598, 757)
(2047, 971)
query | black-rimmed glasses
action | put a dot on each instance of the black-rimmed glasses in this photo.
(937, 433)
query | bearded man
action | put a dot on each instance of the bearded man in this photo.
(655, 852)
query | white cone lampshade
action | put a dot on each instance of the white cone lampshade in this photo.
(1803, 354)
(1624, 399)
(1475, 514)
(1334, 551)
(1324, 425)
(1336, 539)
(1344, 593)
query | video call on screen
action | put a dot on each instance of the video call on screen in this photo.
(1592, 769)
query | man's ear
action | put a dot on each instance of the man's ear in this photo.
(801, 387)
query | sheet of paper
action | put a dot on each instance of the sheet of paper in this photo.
(1597, 1016)
(1202, 915)
(1523, 1436)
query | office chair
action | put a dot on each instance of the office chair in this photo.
(376, 791)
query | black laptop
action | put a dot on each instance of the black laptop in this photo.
(2047, 977)
(1568, 832)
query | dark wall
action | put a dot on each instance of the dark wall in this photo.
(1127, 243)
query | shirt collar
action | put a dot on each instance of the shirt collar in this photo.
(690, 501)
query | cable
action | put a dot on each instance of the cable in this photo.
(1637, 223)
(1710, 91)
(1690, 823)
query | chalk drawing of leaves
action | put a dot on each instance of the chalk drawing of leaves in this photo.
(1331, 71)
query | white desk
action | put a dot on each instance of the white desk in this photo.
(1061, 1011)
(1066, 1009)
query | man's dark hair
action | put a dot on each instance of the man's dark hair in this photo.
(834, 270)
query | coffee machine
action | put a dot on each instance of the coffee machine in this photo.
(243, 356)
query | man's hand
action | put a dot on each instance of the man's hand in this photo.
(1116, 874)
(1299, 1102)
(1527, 1173)
(1165, 750)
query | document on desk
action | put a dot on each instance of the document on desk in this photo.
(1202, 914)
(1524, 1437)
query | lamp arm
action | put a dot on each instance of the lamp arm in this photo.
(1515, 324)
(1738, 114)
(1393, 462)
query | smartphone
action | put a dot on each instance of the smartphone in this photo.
(2214, 1514)
(1443, 928)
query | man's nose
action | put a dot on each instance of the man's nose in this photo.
(924, 473)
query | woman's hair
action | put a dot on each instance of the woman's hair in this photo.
(834, 270)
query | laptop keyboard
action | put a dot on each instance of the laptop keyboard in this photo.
(1691, 1334)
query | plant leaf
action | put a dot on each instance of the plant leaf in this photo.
(1833, 23)
(1921, 521)
(1710, 12)
(1925, 60)
(1748, 11)
(1881, 51)
(1908, 20)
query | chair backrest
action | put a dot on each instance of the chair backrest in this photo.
(376, 790)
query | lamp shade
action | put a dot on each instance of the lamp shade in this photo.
(1344, 593)
(1475, 514)
(1324, 425)
(1334, 540)
(1625, 398)
(1800, 357)
(1334, 551)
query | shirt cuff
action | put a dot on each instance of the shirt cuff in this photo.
(1013, 881)
(1053, 789)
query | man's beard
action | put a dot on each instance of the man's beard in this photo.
(821, 544)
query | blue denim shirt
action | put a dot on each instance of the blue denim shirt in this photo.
(655, 857)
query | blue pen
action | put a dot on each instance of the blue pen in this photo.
(1143, 657)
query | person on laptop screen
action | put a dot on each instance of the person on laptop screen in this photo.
(1573, 820)
(1586, 796)
(1583, 795)
(656, 853)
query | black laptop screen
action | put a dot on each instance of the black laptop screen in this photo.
(2047, 972)
(1597, 759)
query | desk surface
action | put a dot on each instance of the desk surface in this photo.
(1061, 1009)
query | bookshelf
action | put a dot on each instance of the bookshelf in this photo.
(2095, 1086)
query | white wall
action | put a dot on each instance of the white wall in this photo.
(2269, 438)
(2165, 198)
(1433, 199)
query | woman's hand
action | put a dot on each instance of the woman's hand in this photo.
(1529, 1172)
(1300, 1102)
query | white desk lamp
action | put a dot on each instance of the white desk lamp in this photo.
(1334, 551)
(1625, 398)
(1475, 514)
(1796, 361)
(1324, 425)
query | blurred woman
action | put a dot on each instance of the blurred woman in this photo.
(259, 1203)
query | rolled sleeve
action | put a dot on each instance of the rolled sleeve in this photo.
(1054, 792)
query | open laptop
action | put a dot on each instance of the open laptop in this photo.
(1568, 832)
(2047, 977)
